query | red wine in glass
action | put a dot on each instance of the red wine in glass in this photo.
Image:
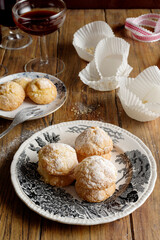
(40, 22)
(41, 17)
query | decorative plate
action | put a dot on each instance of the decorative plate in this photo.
(48, 108)
(136, 176)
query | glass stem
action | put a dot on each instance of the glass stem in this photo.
(13, 34)
(43, 49)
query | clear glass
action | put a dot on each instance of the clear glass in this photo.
(12, 39)
(41, 18)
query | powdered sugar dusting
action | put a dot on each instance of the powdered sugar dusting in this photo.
(57, 146)
(94, 140)
(33, 88)
(58, 158)
(15, 143)
(44, 83)
(96, 172)
(22, 79)
(40, 84)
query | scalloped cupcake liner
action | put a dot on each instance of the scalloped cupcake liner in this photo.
(89, 76)
(133, 95)
(145, 81)
(111, 57)
(86, 38)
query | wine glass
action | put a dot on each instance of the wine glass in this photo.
(40, 18)
(13, 39)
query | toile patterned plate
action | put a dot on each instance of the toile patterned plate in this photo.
(136, 177)
(47, 108)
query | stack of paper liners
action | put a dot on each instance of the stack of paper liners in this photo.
(109, 65)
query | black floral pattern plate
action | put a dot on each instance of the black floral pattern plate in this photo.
(136, 176)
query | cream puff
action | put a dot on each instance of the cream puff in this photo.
(95, 179)
(93, 141)
(56, 164)
(41, 91)
(11, 96)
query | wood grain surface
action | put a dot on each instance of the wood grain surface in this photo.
(17, 221)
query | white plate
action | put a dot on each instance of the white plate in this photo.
(133, 160)
(48, 108)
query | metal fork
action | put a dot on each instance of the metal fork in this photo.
(22, 116)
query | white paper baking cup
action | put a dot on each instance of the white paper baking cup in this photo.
(109, 65)
(140, 97)
(86, 38)
(111, 57)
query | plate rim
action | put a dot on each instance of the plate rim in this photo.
(45, 114)
(68, 220)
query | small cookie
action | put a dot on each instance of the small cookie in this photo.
(41, 91)
(56, 164)
(23, 81)
(11, 96)
(93, 141)
(96, 173)
(92, 195)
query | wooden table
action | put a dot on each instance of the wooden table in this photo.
(17, 221)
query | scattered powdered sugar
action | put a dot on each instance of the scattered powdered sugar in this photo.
(79, 109)
(10, 149)
(13, 145)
